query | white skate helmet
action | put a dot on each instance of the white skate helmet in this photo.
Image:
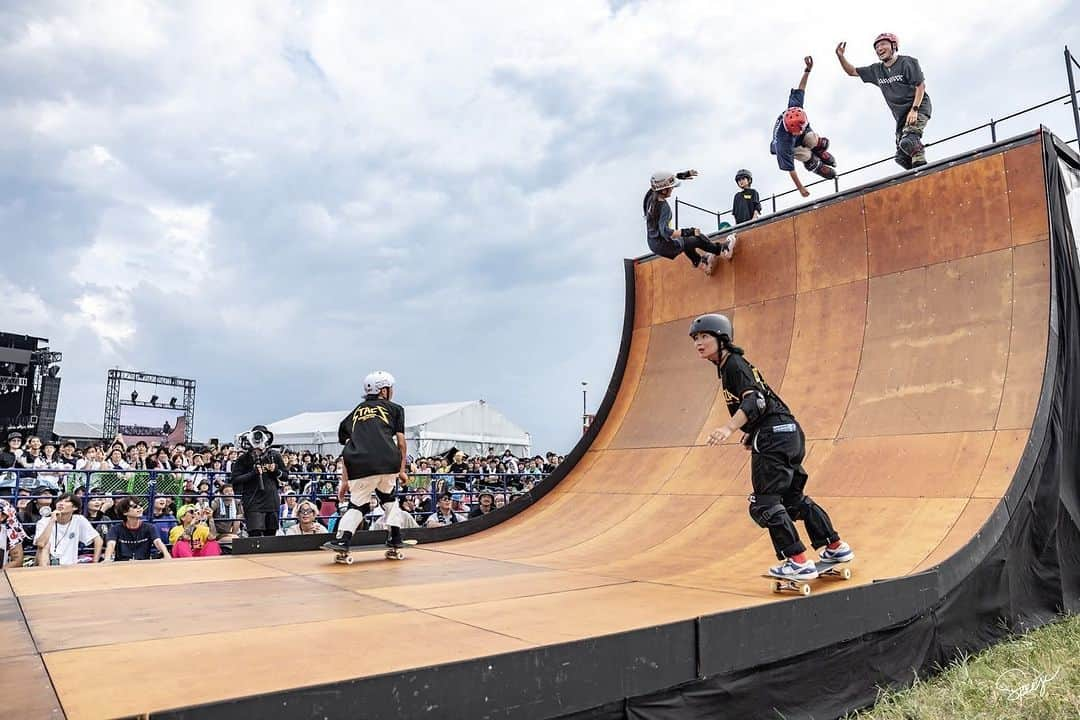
(376, 381)
(662, 180)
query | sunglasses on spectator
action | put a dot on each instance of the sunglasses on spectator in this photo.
(307, 511)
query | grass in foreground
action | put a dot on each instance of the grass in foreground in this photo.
(1034, 676)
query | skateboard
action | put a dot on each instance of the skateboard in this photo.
(830, 570)
(345, 557)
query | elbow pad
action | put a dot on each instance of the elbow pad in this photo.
(753, 405)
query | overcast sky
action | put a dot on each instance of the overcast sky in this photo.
(275, 198)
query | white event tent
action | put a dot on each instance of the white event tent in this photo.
(472, 427)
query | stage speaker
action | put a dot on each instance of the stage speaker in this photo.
(50, 395)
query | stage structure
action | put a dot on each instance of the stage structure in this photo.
(29, 384)
(164, 411)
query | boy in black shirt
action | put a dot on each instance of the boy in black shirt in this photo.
(746, 205)
(132, 539)
(373, 461)
(778, 446)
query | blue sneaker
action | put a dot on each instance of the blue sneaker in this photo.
(841, 554)
(791, 570)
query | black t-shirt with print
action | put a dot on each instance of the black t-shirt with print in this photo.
(737, 376)
(745, 203)
(369, 434)
(133, 544)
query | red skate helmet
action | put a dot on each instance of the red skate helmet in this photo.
(795, 120)
(891, 38)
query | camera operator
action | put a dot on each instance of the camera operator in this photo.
(256, 475)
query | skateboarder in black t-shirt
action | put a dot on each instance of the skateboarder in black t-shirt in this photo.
(373, 461)
(665, 240)
(901, 80)
(778, 445)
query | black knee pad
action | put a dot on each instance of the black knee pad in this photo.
(910, 144)
(365, 508)
(816, 166)
(822, 144)
(801, 509)
(764, 508)
(384, 498)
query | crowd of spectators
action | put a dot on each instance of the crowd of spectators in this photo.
(61, 504)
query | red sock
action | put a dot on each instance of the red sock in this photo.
(834, 545)
(800, 558)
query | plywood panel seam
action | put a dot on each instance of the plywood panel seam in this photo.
(712, 590)
(33, 639)
(1012, 321)
(791, 339)
(647, 332)
(950, 261)
(935, 433)
(862, 345)
(941, 542)
(430, 613)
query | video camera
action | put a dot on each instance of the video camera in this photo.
(258, 438)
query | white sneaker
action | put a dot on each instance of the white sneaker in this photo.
(841, 554)
(791, 570)
(729, 251)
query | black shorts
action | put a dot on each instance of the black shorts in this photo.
(264, 522)
(779, 447)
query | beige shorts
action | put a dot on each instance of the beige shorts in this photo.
(361, 490)
(802, 152)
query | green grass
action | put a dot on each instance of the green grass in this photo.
(1034, 676)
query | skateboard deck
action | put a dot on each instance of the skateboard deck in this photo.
(345, 557)
(841, 571)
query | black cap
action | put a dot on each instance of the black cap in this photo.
(14, 434)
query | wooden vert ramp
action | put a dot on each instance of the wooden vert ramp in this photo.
(906, 326)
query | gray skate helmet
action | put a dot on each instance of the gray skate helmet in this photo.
(715, 324)
(662, 180)
(744, 173)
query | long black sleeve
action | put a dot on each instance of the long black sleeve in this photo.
(243, 472)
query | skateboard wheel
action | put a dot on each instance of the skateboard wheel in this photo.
(777, 587)
(349, 560)
(846, 573)
(805, 590)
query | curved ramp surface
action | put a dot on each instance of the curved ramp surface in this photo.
(907, 330)
(906, 324)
